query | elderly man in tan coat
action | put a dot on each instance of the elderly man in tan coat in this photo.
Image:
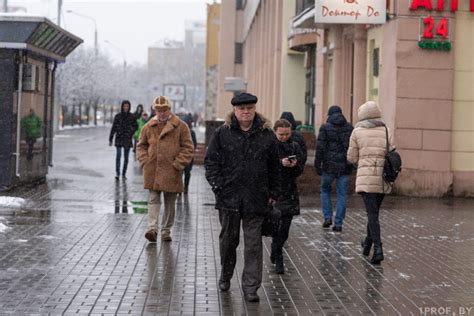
(164, 150)
(367, 149)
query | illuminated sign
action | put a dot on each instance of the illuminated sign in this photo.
(350, 12)
(435, 31)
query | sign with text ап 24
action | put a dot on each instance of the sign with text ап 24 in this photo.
(350, 11)
(435, 31)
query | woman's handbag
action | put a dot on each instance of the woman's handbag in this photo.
(271, 221)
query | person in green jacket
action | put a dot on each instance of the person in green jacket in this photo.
(31, 124)
(141, 122)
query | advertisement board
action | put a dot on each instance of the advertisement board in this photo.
(350, 12)
(175, 92)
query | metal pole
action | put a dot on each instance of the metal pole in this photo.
(18, 115)
(96, 45)
(60, 4)
(5, 5)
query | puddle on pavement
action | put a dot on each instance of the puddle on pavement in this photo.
(26, 217)
(134, 207)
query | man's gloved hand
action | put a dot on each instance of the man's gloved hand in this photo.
(275, 213)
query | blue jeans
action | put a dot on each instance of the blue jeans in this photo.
(342, 183)
(118, 157)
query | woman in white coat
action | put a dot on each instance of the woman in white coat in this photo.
(367, 149)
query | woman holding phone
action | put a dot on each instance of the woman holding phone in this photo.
(288, 205)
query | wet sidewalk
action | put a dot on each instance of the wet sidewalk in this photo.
(77, 246)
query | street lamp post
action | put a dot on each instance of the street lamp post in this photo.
(121, 52)
(96, 47)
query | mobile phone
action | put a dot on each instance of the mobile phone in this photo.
(292, 157)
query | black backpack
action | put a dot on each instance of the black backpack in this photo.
(393, 163)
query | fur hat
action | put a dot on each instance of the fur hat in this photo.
(244, 98)
(161, 103)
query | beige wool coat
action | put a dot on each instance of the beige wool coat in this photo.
(367, 149)
(164, 156)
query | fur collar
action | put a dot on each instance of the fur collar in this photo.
(265, 123)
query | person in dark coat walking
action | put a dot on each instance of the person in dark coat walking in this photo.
(189, 167)
(296, 136)
(242, 168)
(288, 205)
(331, 164)
(138, 116)
(123, 128)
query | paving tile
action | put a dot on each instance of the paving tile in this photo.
(78, 247)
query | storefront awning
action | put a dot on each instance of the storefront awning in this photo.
(36, 34)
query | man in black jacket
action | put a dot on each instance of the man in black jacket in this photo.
(331, 164)
(241, 166)
(123, 128)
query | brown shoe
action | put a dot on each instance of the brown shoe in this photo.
(166, 238)
(151, 235)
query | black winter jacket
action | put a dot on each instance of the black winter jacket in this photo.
(242, 167)
(123, 128)
(288, 202)
(332, 145)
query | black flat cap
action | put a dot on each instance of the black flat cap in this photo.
(244, 98)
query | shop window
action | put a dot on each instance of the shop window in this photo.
(240, 4)
(239, 47)
(31, 77)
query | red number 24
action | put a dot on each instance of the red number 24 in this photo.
(441, 30)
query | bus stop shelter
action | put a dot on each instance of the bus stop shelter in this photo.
(30, 49)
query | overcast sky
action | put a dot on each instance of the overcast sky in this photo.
(130, 25)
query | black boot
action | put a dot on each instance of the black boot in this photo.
(378, 254)
(279, 266)
(366, 244)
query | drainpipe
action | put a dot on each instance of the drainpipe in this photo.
(18, 113)
(52, 116)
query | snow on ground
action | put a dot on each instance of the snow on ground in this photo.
(10, 201)
(3, 228)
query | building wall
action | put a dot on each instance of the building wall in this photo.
(462, 136)
(212, 61)
(423, 112)
(7, 89)
(293, 79)
(262, 57)
(227, 39)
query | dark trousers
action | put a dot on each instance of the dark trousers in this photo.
(229, 240)
(187, 175)
(280, 236)
(118, 157)
(31, 145)
(372, 203)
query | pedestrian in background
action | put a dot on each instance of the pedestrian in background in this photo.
(332, 165)
(242, 168)
(138, 115)
(138, 111)
(164, 150)
(288, 204)
(296, 136)
(140, 123)
(123, 128)
(367, 149)
(31, 124)
(189, 167)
